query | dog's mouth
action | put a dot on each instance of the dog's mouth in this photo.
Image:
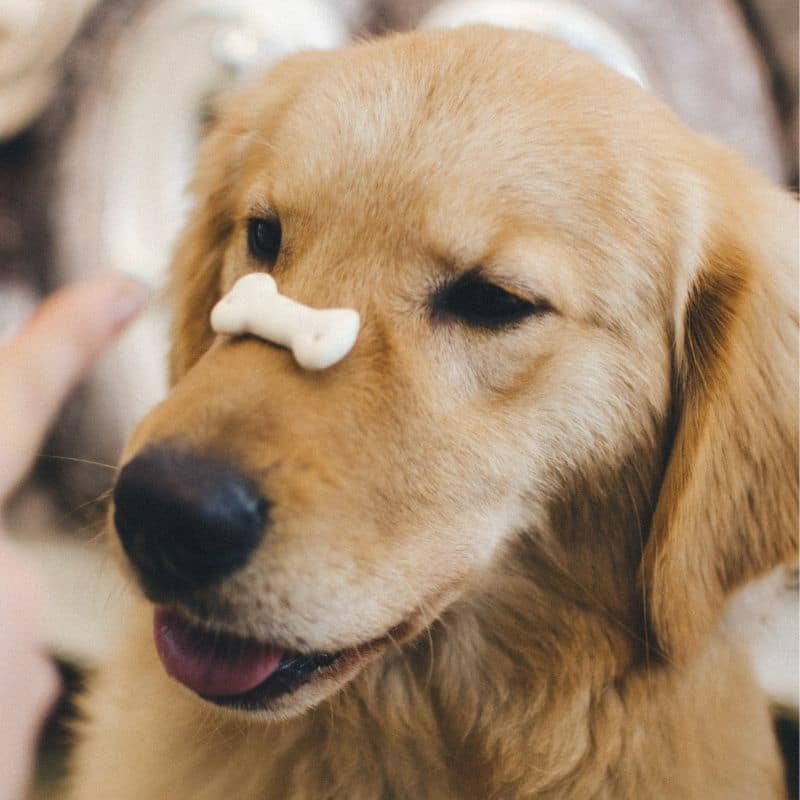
(243, 673)
(249, 675)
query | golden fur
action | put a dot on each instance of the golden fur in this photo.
(549, 518)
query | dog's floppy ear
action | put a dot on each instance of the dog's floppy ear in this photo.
(201, 247)
(728, 506)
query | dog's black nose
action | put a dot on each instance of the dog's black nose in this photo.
(185, 520)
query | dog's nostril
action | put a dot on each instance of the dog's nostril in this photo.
(186, 520)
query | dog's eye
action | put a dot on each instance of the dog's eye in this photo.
(264, 239)
(480, 304)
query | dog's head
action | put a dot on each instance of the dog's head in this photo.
(568, 302)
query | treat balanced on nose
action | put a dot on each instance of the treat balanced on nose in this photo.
(317, 338)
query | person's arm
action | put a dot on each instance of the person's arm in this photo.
(38, 368)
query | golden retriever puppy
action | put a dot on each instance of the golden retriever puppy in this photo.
(483, 556)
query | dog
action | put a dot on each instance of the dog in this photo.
(485, 554)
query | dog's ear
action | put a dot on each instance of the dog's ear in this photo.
(201, 246)
(728, 506)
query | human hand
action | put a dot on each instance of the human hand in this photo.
(38, 368)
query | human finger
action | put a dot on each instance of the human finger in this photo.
(45, 360)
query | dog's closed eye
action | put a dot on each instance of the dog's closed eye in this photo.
(475, 301)
(264, 239)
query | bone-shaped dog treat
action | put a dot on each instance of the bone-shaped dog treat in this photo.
(318, 338)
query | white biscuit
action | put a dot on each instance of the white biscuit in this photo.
(318, 338)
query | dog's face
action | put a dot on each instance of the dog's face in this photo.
(514, 226)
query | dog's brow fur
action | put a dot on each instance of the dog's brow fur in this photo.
(564, 505)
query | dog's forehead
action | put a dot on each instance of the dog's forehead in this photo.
(497, 113)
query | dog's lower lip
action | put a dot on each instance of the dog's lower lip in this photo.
(290, 671)
(229, 670)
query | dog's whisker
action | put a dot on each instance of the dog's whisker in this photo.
(99, 537)
(99, 499)
(403, 657)
(89, 461)
(429, 617)
(96, 527)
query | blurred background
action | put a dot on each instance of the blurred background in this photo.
(102, 103)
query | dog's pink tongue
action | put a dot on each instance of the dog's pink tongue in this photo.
(211, 665)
